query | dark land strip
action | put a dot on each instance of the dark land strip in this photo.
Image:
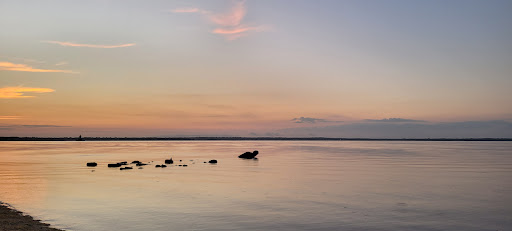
(13, 138)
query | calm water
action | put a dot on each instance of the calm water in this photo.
(292, 186)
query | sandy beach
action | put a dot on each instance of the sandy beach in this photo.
(11, 220)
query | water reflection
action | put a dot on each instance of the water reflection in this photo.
(291, 186)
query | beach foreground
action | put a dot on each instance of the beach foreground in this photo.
(11, 220)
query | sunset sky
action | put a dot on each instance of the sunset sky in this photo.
(256, 68)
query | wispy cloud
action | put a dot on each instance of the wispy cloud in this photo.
(229, 24)
(310, 120)
(187, 10)
(8, 66)
(18, 92)
(395, 120)
(42, 126)
(10, 117)
(236, 32)
(231, 18)
(22, 59)
(18, 126)
(70, 44)
(61, 63)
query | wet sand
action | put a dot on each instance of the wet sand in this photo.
(11, 220)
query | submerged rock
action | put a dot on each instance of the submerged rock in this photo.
(136, 162)
(212, 161)
(125, 168)
(141, 164)
(158, 166)
(123, 163)
(114, 165)
(249, 155)
(92, 164)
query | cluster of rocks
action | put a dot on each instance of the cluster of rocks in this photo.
(246, 155)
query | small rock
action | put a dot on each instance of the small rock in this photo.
(136, 162)
(92, 164)
(212, 161)
(125, 168)
(158, 166)
(114, 165)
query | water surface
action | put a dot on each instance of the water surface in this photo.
(294, 185)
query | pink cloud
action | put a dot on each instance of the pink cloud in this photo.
(236, 32)
(232, 18)
(229, 23)
(187, 10)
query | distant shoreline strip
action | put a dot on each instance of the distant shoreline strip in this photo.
(238, 139)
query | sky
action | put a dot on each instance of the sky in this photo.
(361, 68)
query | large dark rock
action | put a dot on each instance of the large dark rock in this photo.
(116, 165)
(249, 155)
(169, 161)
(92, 164)
(212, 161)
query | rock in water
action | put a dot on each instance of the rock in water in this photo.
(92, 164)
(212, 161)
(169, 161)
(114, 165)
(249, 155)
(125, 168)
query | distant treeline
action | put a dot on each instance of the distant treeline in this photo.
(238, 138)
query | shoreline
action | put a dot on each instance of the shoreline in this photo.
(15, 138)
(13, 220)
